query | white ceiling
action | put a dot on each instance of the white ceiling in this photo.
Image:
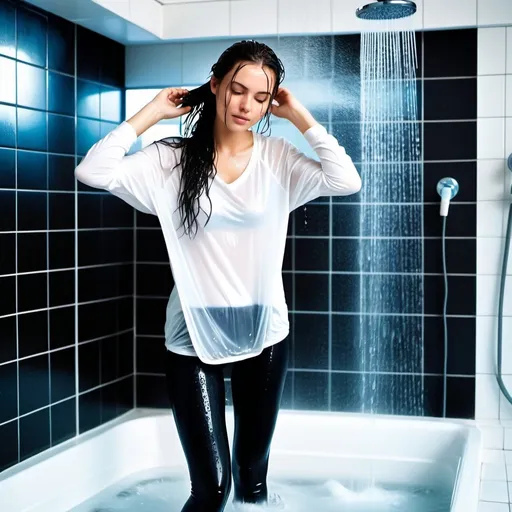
(148, 21)
(102, 20)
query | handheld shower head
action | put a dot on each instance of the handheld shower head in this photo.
(447, 188)
(386, 10)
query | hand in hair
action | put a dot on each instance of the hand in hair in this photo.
(290, 108)
(286, 103)
(168, 102)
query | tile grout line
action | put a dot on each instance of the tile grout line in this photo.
(16, 238)
(330, 261)
(76, 306)
(47, 77)
(422, 195)
(134, 367)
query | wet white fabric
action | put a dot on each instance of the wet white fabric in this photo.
(228, 302)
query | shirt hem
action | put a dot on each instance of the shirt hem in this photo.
(272, 341)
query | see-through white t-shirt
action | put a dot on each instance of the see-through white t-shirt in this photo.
(228, 302)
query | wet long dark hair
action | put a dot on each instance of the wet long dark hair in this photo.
(198, 146)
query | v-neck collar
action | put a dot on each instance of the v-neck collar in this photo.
(248, 168)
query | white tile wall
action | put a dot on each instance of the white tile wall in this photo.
(246, 18)
(487, 404)
(505, 405)
(493, 410)
(196, 20)
(494, 491)
(491, 137)
(508, 136)
(494, 131)
(491, 180)
(253, 18)
(491, 96)
(486, 330)
(492, 439)
(224, 18)
(493, 507)
(492, 51)
(509, 50)
(508, 94)
(487, 300)
(449, 13)
(496, 472)
(494, 12)
(507, 335)
(304, 16)
(490, 219)
(490, 254)
(493, 457)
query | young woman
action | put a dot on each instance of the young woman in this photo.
(223, 195)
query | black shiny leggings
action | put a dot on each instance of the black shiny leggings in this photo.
(197, 395)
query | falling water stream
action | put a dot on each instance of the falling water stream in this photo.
(391, 252)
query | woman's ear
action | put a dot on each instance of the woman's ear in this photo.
(214, 85)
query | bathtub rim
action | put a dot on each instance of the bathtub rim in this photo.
(466, 489)
(146, 412)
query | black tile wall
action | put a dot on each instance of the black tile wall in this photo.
(322, 272)
(154, 283)
(50, 75)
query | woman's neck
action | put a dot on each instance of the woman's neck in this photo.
(230, 142)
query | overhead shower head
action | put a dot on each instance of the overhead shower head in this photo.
(382, 10)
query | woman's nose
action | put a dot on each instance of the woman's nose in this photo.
(245, 104)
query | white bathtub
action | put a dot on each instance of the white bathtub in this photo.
(65, 476)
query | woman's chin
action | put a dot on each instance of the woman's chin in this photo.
(234, 127)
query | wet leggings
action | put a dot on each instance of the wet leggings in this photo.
(197, 395)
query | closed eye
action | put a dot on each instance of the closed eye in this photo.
(237, 93)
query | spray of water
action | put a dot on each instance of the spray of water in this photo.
(390, 256)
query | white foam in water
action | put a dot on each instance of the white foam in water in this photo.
(161, 492)
(370, 495)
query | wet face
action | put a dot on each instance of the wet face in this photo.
(243, 100)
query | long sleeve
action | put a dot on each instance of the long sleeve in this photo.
(306, 178)
(133, 178)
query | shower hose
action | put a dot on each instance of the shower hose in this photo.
(501, 302)
(500, 305)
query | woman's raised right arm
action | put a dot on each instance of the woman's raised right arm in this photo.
(134, 178)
